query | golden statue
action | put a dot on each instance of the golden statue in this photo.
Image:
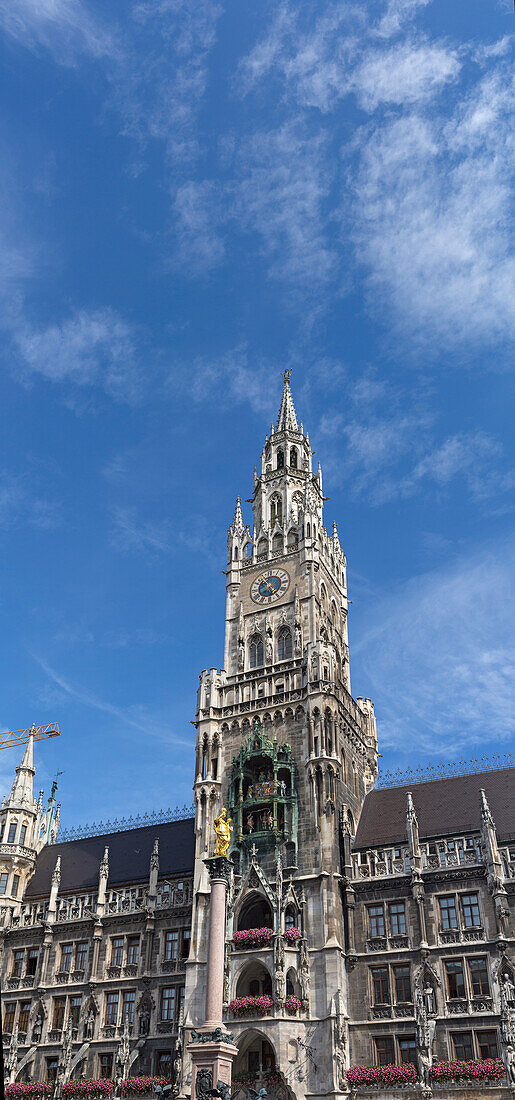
(223, 830)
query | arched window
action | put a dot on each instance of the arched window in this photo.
(308, 530)
(289, 918)
(276, 510)
(235, 552)
(280, 460)
(293, 458)
(284, 645)
(256, 651)
(296, 506)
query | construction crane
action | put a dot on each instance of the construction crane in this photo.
(22, 737)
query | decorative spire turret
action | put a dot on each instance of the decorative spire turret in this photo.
(22, 788)
(238, 518)
(287, 419)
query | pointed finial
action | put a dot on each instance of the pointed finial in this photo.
(287, 418)
(286, 377)
(154, 859)
(485, 809)
(104, 865)
(238, 518)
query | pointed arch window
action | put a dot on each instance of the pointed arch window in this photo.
(280, 460)
(284, 645)
(256, 651)
(276, 510)
(293, 458)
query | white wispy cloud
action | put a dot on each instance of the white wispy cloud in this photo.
(439, 652)
(63, 27)
(91, 348)
(228, 379)
(407, 73)
(398, 13)
(197, 217)
(135, 717)
(132, 534)
(430, 218)
(284, 178)
(20, 503)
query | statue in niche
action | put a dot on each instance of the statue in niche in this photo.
(424, 1040)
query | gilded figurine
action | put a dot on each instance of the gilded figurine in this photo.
(223, 830)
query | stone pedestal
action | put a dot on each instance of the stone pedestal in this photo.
(211, 1048)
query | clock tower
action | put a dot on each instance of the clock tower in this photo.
(284, 745)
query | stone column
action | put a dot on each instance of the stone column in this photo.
(211, 1047)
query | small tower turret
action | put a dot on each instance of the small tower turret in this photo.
(20, 818)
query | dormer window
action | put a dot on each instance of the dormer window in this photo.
(256, 651)
(280, 460)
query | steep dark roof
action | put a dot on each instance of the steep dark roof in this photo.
(129, 857)
(443, 806)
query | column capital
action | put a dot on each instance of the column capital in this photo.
(219, 867)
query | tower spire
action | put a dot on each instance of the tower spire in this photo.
(238, 518)
(287, 417)
(22, 788)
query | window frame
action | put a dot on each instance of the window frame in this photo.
(133, 942)
(479, 959)
(449, 927)
(128, 1001)
(112, 1002)
(411, 1041)
(380, 979)
(493, 1051)
(79, 952)
(168, 996)
(380, 907)
(405, 978)
(456, 1035)
(66, 960)
(58, 1013)
(4, 879)
(401, 905)
(455, 963)
(388, 1040)
(18, 962)
(168, 939)
(464, 902)
(117, 951)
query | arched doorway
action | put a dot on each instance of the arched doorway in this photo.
(255, 1060)
(254, 981)
(255, 912)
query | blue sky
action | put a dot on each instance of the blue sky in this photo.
(195, 196)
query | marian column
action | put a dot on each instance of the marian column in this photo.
(211, 1047)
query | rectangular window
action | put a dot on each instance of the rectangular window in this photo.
(455, 978)
(470, 910)
(397, 914)
(105, 1062)
(58, 1017)
(479, 976)
(9, 1014)
(66, 957)
(128, 1001)
(51, 1069)
(75, 1006)
(185, 944)
(448, 915)
(133, 949)
(408, 1049)
(401, 976)
(15, 886)
(32, 960)
(380, 985)
(18, 957)
(376, 920)
(168, 1003)
(462, 1043)
(171, 945)
(164, 1062)
(23, 834)
(23, 1018)
(385, 1055)
(12, 832)
(3, 882)
(111, 1016)
(81, 956)
(117, 951)
(487, 1043)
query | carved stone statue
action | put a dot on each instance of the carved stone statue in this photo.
(144, 1021)
(223, 830)
(429, 1000)
(508, 991)
(177, 1069)
(425, 1037)
(90, 1024)
(37, 1029)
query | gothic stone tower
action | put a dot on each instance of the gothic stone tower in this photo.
(283, 744)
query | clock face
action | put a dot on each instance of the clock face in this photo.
(271, 585)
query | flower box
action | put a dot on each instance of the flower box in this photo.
(253, 937)
(382, 1076)
(103, 1086)
(293, 1004)
(251, 1006)
(31, 1090)
(292, 935)
(491, 1069)
(141, 1086)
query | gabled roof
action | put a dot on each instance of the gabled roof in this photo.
(443, 807)
(129, 858)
